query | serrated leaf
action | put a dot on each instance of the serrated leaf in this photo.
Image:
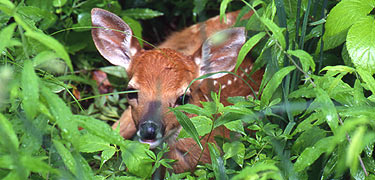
(310, 154)
(305, 58)
(90, 143)
(9, 137)
(37, 164)
(189, 127)
(247, 47)
(327, 107)
(346, 13)
(30, 90)
(235, 150)
(217, 162)
(273, 84)
(141, 13)
(361, 44)
(136, 159)
(52, 44)
(66, 156)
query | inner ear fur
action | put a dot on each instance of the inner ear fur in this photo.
(219, 52)
(113, 37)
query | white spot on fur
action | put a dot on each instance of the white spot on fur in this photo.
(194, 29)
(197, 60)
(229, 82)
(246, 70)
(133, 51)
(235, 79)
(223, 86)
(215, 82)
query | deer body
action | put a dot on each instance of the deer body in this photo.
(162, 75)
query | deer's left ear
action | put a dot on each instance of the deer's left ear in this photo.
(219, 52)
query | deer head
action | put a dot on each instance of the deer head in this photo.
(161, 76)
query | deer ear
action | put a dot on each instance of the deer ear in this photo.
(219, 52)
(113, 37)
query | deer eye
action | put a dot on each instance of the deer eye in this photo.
(132, 95)
(182, 100)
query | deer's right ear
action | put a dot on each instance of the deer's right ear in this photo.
(113, 37)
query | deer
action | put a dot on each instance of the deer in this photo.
(162, 75)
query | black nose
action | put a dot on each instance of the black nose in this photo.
(148, 130)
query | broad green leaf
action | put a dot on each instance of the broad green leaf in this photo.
(245, 49)
(141, 13)
(346, 13)
(308, 138)
(192, 109)
(305, 58)
(84, 170)
(273, 84)
(236, 151)
(339, 69)
(43, 57)
(277, 32)
(136, 159)
(189, 127)
(6, 35)
(217, 162)
(90, 143)
(361, 44)
(30, 90)
(8, 3)
(53, 44)
(199, 6)
(332, 41)
(367, 78)
(235, 126)
(135, 27)
(66, 156)
(203, 124)
(310, 154)
(35, 15)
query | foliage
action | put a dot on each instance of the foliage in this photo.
(313, 117)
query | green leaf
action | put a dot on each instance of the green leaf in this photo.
(367, 78)
(141, 13)
(117, 71)
(136, 27)
(223, 8)
(325, 104)
(90, 143)
(192, 109)
(30, 90)
(277, 32)
(189, 127)
(310, 154)
(305, 58)
(136, 159)
(236, 151)
(59, 3)
(355, 148)
(37, 164)
(245, 49)
(217, 162)
(52, 44)
(6, 35)
(107, 154)
(272, 85)
(62, 115)
(66, 156)
(346, 13)
(260, 170)
(203, 124)
(361, 44)
(235, 126)
(8, 136)
(99, 129)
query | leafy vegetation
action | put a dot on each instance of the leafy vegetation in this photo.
(314, 118)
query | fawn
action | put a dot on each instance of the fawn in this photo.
(162, 75)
